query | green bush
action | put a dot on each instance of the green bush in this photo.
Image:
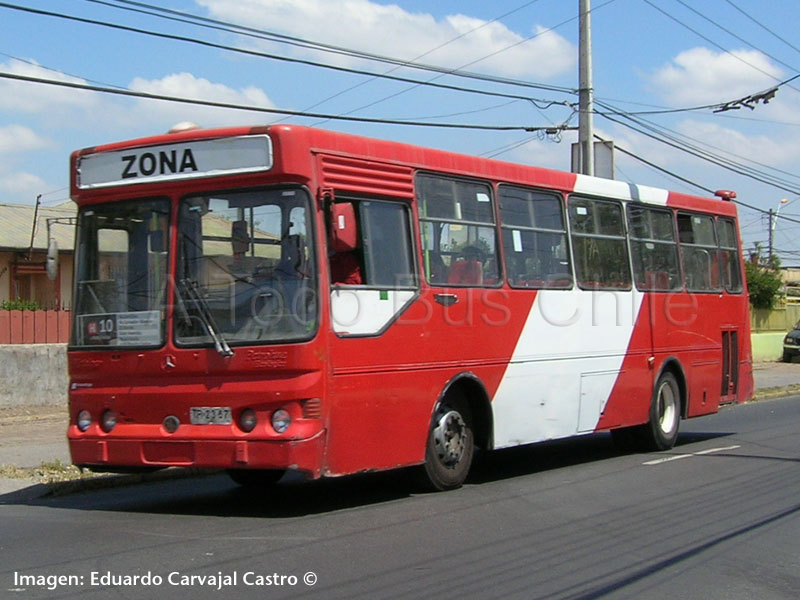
(20, 304)
(764, 282)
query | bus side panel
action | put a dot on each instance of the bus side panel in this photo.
(569, 358)
(384, 387)
(629, 403)
(378, 419)
(691, 327)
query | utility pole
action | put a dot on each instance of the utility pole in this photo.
(585, 101)
(771, 234)
(33, 227)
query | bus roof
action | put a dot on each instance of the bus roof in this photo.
(300, 140)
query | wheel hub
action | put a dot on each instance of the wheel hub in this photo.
(449, 437)
(667, 408)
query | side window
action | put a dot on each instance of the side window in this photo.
(458, 234)
(729, 255)
(654, 249)
(534, 238)
(699, 256)
(381, 253)
(386, 240)
(599, 246)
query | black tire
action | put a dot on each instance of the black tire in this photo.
(787, 357)
(661, 432)
(450, 446)
(255, 478)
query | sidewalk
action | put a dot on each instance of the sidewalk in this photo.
(36, 435)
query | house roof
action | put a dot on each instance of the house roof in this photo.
(16, 221)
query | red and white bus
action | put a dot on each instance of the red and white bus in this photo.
(285, 298)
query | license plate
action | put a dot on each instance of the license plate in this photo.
(210, 415)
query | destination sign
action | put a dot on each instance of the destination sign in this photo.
(181, 160)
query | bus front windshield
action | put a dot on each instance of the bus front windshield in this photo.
(121, 274)
(245, 269)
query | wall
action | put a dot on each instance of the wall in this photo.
(33, 375)
(34, 326)
(769, 328)
(767, 346)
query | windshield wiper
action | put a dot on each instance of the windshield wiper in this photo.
(206, 318)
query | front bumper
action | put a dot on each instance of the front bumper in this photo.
(305, 455)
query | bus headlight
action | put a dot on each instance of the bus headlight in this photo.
(84, 420)
(108, 421)
(281, 420)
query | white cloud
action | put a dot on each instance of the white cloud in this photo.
(17, 138)
(26, 97)
(702, 76)
(389, 30)
(21, 184)
(765, 149)
(186, 85)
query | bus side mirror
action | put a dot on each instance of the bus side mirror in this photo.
(51, 263)
(344, 232)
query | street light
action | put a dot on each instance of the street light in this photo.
(773, 219)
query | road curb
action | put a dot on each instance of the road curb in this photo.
(53, 489)
(775, 392)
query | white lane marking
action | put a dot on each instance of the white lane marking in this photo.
(712, 450)
(659, 461)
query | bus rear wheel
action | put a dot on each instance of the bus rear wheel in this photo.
(255, 478)
(661, 432)
(450, 446)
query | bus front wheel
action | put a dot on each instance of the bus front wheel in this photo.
(450, 446)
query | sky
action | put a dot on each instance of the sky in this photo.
(656, 58)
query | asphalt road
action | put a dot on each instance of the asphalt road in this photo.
(716, 518)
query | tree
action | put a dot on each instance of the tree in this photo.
(764, 281)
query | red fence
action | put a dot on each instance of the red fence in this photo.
(34, 326)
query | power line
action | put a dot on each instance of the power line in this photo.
(764, 27)
(190, 18)
(278, 57)
(735, 35)
(682, 138)
(416, 58)
(57, 71)
(281, 38)
(655, 133)
(296, 113)
(711, 41)
(457, 70)
(699, 186)
(658, 168)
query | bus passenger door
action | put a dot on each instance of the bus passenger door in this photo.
(376, 407)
